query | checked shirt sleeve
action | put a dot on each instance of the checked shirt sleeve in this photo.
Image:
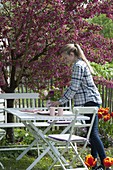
(77, 75)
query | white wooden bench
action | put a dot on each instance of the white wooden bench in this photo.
(17, 103)
(22, 100)
(29, 100)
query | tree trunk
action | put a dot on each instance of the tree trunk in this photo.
(10, 119)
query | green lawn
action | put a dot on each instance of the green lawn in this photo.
(10, 163)
(23, 137)
(9, 160)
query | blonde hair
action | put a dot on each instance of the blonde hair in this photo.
(76, 49)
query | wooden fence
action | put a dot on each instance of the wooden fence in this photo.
(106, 94)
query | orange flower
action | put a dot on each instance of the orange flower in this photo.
(107, 117)
(103, 110)
(108, 162)
(90, 161)
(100, 115)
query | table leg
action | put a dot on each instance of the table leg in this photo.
(38, 159)
(26, 150)
(33, 131)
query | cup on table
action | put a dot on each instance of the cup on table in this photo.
(52, 111)
(60, 111)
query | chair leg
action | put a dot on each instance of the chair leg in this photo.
(77, 156)
(59, 157)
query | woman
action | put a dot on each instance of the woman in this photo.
(84, 92)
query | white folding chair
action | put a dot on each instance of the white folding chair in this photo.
(2, 134)
(70, 140)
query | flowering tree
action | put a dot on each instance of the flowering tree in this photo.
(36, 29)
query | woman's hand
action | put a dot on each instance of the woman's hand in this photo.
(54, 103)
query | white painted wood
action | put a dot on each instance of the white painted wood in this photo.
(19, 95)
(15, 96)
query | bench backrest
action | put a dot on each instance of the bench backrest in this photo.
(20, 100)
(19, 95)
(1, 110)
(24, 97)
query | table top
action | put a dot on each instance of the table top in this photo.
(29, 114)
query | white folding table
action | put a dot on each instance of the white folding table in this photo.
(28, 118)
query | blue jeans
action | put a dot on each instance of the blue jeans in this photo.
(97, 147)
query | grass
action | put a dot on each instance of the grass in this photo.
(8, 159)
(12, 164)
(23, 137)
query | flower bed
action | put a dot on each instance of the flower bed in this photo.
(106, 126)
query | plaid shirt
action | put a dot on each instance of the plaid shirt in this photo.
(82, 88)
